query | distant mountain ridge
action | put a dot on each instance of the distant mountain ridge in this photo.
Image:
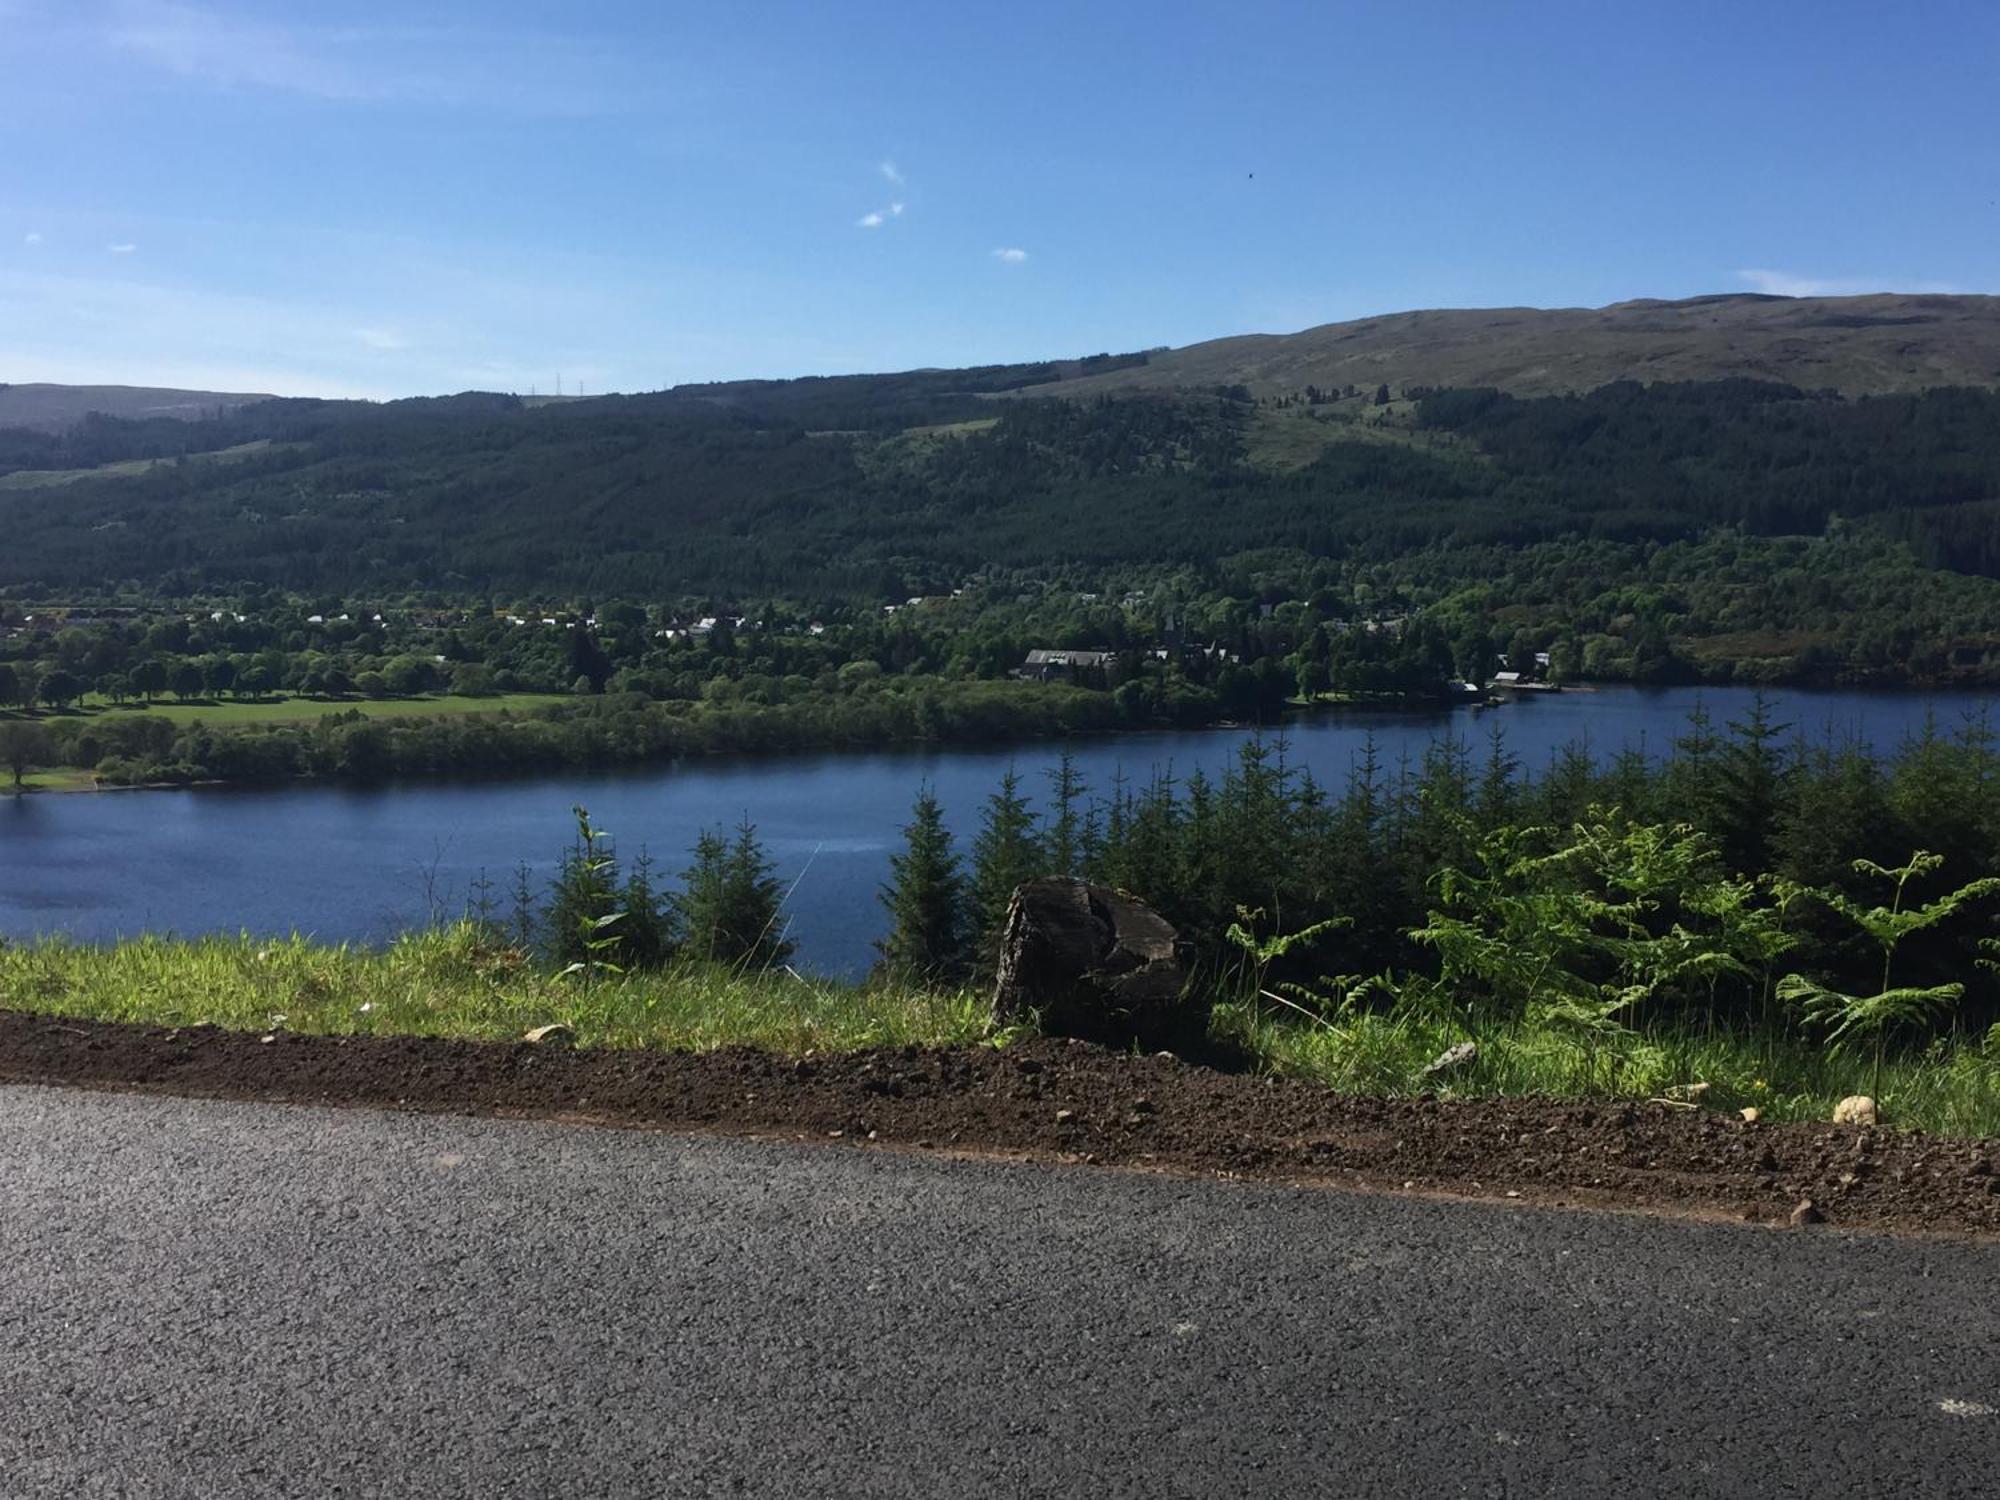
(1875, 344)
(53, 408)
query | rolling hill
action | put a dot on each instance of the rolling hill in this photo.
(53, 408)
(1856, 345)
(885, 492)
(1877, 344)
(1643, 422)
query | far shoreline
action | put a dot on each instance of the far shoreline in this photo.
(74, 780)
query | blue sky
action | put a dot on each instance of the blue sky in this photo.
(381, 199)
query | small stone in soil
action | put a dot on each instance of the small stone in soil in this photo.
(1065, 1116)
(1806, 1213)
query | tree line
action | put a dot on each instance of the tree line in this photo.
(1749, 879)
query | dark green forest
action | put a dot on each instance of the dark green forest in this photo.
(882, 487)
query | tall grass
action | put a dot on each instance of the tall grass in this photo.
(455, 981)
(1952, 1087)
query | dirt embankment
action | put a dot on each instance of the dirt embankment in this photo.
(1069, 1101)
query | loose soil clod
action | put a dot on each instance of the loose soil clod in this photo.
(1075, 1102)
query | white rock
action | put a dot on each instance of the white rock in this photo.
(1855, 1109)
(1459, 1055)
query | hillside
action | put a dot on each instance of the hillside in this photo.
(893, 485)
(53, 408)
(1856, 345)
(886, 487)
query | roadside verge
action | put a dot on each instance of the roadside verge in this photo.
(1066, 1101)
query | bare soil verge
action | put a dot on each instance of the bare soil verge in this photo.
(1072, 1102)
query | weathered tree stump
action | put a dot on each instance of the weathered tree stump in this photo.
(1094, 963)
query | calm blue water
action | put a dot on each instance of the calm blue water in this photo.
(357, 864)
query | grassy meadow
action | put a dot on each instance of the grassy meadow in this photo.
(52, 779)
(283, 709)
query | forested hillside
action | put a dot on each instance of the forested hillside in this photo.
(879, 487)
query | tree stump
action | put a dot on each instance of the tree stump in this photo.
(1097, 964)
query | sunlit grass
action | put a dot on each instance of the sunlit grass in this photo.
(1952, 1087)
(281, 709)
(455, 983)
(49, 779)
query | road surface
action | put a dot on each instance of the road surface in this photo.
(207, 1299)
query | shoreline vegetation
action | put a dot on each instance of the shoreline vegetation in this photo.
(1074, 716)
(363, 743)
(203, 744)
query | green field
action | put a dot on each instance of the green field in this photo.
(305, 710)
(55, 779)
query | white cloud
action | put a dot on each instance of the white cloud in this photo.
(381, 338)
(120, 247)
(876, 218)
(1789, 284)
(1011, 255)
(32, 237)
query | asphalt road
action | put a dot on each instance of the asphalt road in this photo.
(201, 1299)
